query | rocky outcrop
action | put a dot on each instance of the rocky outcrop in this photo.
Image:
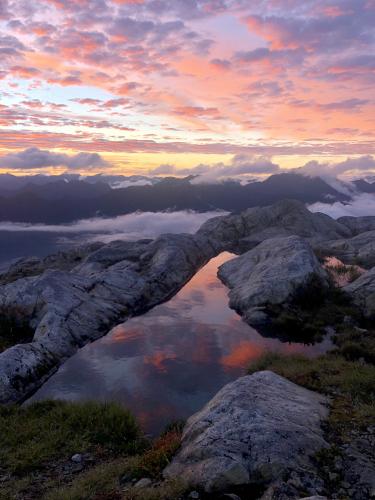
(289, 217)
(255, 430)
(357, 250)
(358, 225)
(362, 291)
(33, 266)
(273, 273)
(75, 297)
(70, 308)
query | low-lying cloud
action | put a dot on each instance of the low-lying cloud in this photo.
(360, 205)
(133, 226)
(35, 158)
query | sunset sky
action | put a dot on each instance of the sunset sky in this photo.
(162, 86)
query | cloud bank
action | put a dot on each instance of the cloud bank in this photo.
(35, 158)
(361, 205)
(133, 226)
(244, 167)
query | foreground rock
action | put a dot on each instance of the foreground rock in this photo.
(255, 430)
(273, 273)
(362, 290)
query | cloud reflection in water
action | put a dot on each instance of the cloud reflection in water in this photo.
(169, 362)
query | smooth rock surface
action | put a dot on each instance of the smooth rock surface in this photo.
(252, 431)
(270, 274)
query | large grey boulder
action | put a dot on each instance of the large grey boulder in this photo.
(362, 291)
(253, 431)
(273, 273)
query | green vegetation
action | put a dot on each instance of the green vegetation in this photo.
(14, 327)
(331, 374)
(38, 441)
(39, 433)
(312, 310)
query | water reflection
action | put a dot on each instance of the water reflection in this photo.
(168, 363)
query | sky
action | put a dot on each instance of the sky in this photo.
(164, 86)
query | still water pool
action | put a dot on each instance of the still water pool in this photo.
(167, 363)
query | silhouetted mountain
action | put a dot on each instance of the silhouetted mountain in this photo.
(65, 199)
(364, 186)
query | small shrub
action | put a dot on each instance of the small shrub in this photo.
(153, 461)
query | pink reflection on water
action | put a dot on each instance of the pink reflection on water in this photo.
(167, 363)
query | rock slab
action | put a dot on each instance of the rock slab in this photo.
(270, 274)
(252, 431)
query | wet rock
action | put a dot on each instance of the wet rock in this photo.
(271, 274)
(252, 431)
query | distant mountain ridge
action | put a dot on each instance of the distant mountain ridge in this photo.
(67, 198)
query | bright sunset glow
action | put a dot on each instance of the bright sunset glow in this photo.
(125, 86)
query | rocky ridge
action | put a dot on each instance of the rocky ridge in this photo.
(75, 298)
